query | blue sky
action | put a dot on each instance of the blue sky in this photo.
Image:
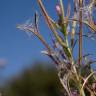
(16, 47)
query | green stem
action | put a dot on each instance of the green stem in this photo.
(80, 33)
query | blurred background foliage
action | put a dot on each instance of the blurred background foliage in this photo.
(38, 80)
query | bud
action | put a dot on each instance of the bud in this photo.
(58, 9)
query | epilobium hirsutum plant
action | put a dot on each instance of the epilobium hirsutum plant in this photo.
(75, 72)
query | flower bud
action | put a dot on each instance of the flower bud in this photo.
(58, 9)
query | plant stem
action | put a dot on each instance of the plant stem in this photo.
(47, 18)
(80, 33)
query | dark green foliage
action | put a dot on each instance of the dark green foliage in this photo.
(38, 81)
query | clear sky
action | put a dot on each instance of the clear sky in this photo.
(17, 49)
